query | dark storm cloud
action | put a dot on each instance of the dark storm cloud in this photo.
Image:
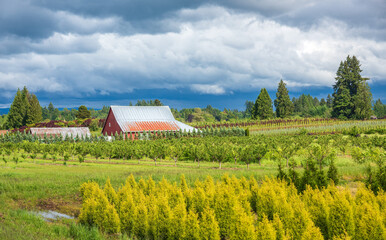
(99, 49)
(20, 18)
(368, 17)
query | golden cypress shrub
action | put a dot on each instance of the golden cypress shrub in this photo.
(87, 189)
(242, 224)
(317, 206)
(312, 233)
(131, 181)
(224, 203)
(89, 211)
(265, 230)
(272, 197)
(343, 236)
(178, 221)
(140, 222)
(192, 230)
(209, 229)
(368, 222)
(381, 200)
(279, 227)
(341, 217)
(162, 218)
(183, 184)
(363, 195)
(142, 185)
(198, 200)
(301, 220)
(126, 212)
(108, 219)
(110, 193)
(210, 190)
(150, 186)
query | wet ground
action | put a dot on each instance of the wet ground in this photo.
(50, 216)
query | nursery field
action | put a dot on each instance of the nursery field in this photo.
(39, 175)
(26, 187)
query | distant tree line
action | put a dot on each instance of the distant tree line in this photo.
(351, 99)
(26, 110)
(147, 103)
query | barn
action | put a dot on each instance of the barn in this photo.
(81, 132)
(137, 119)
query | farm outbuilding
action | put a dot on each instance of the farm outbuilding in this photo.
(81, 132)
(137, 119)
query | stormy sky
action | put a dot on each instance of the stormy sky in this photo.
(186, 53)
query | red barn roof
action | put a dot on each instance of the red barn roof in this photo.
(142, 118)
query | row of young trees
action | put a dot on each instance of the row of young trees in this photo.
(232, 209)
(317, 152)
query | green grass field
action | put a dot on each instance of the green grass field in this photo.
(50, 185)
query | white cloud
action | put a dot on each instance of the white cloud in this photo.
(215, 51)
(208, 89)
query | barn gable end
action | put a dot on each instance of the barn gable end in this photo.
(111, 125)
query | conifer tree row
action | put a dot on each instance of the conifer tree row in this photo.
(25, 109)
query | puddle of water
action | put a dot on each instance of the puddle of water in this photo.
(50, 216)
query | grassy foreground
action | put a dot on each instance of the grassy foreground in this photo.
(47, 185)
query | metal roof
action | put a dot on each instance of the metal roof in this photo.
(145, 118)
(70, 131)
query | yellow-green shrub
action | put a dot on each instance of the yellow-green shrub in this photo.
(232, 209)
(341, 217)
(209, 229)
(192, 230)
(318, 206)
(110, 193)
(265, 230)
(242, 224)
(140, 221)
(368, 222)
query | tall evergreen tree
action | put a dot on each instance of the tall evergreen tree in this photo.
(283, 104)
(379, 109)
(45, 113)
(329, 101)
(51, 111)
(323, 102)
(362, 101)
(263, 106)
(25, 95)
(16, 112)
(248, 109)
(348, 78)
(342, 104)
(34, 112)
(24, 110)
